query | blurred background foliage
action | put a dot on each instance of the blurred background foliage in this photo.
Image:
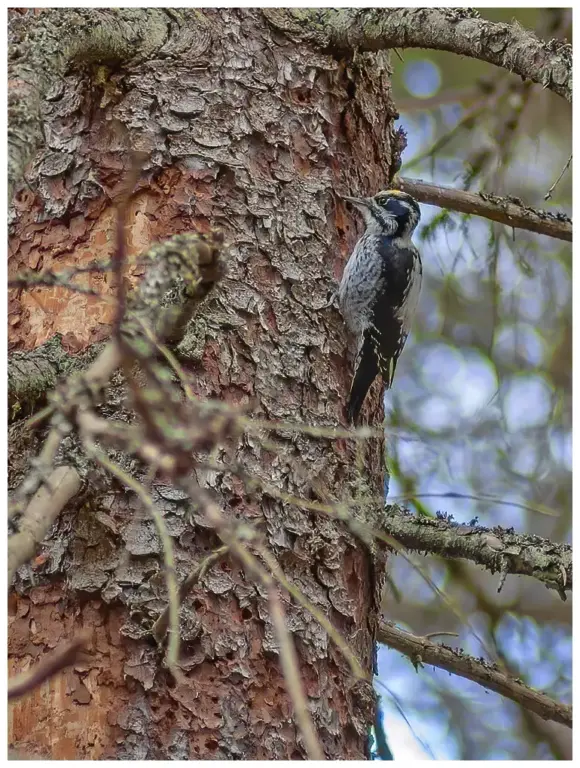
(481, 404)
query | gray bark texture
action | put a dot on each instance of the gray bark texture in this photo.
(255, 134)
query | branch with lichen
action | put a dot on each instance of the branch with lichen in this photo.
(421, 650)
(496, 549)
(31, 375)
(457, 30)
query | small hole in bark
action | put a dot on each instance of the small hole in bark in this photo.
(246, 614)
(197, 604)
(301, 95)
(212, 744)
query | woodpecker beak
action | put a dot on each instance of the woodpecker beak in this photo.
(362, 203)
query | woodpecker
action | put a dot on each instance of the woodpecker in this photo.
(379, 290)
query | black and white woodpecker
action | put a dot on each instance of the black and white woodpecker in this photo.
(379, 290)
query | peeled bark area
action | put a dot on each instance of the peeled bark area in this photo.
(255, 134)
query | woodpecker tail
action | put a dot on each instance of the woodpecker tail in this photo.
(370, 361)
(366, 370)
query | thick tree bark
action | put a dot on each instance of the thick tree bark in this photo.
(254, 134)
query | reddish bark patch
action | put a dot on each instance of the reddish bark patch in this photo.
(75, 729)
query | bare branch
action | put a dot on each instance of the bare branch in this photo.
(490, 676)
(458, 30)
(490, 100)
(164, 536)
(234, 540)
(301, 598)
(44, 508)
(497, 549)
(505, 210)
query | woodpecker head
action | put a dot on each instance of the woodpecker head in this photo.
(390, 212)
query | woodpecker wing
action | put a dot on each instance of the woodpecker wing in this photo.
(392, 318)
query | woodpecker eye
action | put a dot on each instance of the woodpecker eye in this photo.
(383, 200)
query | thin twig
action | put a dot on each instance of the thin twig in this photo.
(163, 533)
(159, 629)
(548, 195)
(32, 280)
(441, 634)
(289, 662)
(540, 509)
(301, 598)
(39, 417)
(472, 114)
(234, 540)
(250, 423)
(47, 668)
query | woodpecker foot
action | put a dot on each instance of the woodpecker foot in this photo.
(332, 300)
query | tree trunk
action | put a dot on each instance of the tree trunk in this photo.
(255, 134)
